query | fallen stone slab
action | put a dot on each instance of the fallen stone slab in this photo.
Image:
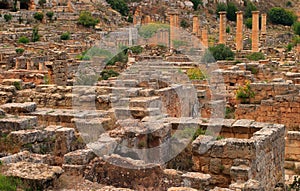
(36, 175)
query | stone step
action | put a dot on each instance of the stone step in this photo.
(146, 102)
(17, 108)
(240, 173)
(135, 112)
(9, 123)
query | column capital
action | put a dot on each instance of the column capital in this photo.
(255, 12)
(222, 12)
(239, 12)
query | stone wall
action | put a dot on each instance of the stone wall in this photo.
(292, 149)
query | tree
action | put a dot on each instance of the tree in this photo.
(184, 24)
(120, 6)
(196, 4)
(7, 17)
(296, 28)
(248, 23)
(278, 15)
(231, 9)
(50, 15)
(86, 19)
(249, 8)
(38, 16)
(35, 34)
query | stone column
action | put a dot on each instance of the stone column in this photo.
(255, 31)
(195, 25)
(173, 27)
(263, 23)
(222, 28)
(147, 19)
(298, 14)
(70, 7)
(239, 30)
(204, 37)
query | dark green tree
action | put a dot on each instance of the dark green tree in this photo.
(296, 28)
(119, 5)
(38, 16)
(196, 4)
(35, 34)
(231, 9)
(278, 15)
(249, 8)
(86, 19)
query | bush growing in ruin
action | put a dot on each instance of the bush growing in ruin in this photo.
(278, 15)
(244, 93)
(196, 4)
(249, 8)
(120, 6)
(23, 39)
(184, 24)
(35, 34)
(86, 19)
(255, 56)
(7, 17)
(38, 16)
(19, 50)
(220, 7)
(105, 74)
(230, 11)
(65, 36)
(296, 28)
(196, 74)
(50, 15)
(218, 52)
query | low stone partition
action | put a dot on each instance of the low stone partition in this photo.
(283, 109)
(229, 160)
(292, 146)
(141, 176)
(10, 123)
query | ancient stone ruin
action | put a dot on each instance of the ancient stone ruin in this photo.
(150, 95)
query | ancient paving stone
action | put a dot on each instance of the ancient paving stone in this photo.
(16, 108)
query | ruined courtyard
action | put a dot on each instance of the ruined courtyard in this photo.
(93, 98)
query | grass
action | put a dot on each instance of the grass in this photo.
(9, 183)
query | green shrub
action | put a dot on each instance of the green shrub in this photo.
(86, 19)
(218, 52)
(256, 56)
(231, 9)
(7, 17)
(38, 16)
(220, 7)
(248, 23)
(42, 2)
(23, 39)
(296, 28)
(196, 74)
(119, 5)
(136, 49)
(9, 183)
(229, 113)
(147, 31)
(184, 24)
(130, 18)
(65, 36)
(227, 29)
(19, 50)
(105, 74)
(17, 85)
(289, 4)
(196, 4)
(252, 69)
(289, 47)
(35, 35)
(50, 15)
(278, 15)
(249, 8)
(244, 93)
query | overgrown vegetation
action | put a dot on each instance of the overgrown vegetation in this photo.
(252, 69)
(278, 15)
(23, 39)
(230, 9)
(65, 36)
(105, 74)
(244, 93)
(7, 17)
(295, 186)
(147, 31)
(50, 14)
(196, 4)
(42, 2)
(9, 183)
(17, 85)
(249, 8)
(255, 56)
(35, 34)
(296, 28)
(196, 74)
(38, 16)
(119, 5)
(218, 52)
(229, 113)
(19, 50)
(184, 24)
(248, 23)
(86, 19)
